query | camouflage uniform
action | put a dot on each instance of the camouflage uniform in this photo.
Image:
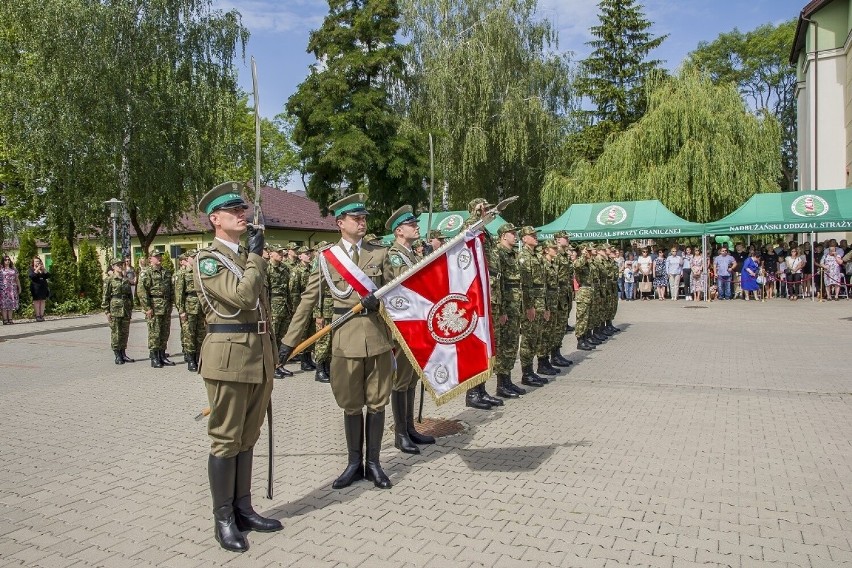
(278, 282)
(117, 301)
(551, 302)
(508, 334)
(583, 274)
(299, 276)
(155, 294)
(533, 287)
(324, 311)
(193, 326)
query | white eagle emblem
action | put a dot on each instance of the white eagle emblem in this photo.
(451, 320)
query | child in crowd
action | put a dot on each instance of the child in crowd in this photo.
(629, 279)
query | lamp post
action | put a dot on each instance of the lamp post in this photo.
(114, 207)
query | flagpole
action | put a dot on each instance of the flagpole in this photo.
(429, 245)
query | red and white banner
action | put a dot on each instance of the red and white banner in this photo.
(441, 317)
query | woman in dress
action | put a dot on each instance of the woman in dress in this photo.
(10, 290)
(697, 276)
(661, 280)
(642, 268)
(38, 287)
(751, 268)
(795, 266)
(831, 264)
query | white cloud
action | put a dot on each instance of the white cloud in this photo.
(277, 16)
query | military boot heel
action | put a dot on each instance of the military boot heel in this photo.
(583, 345)
(512, 386)
(473, 399)
(401, 441)
(164, 359)
(529, 378)
(353, 425)
(493, 401)
(155, 359)
(415, 436)
(119, 360)
(375, 427)
(125, 357)
(191, 362)
(503, 390)
(222, 473)
(247, 518)
(545, 368)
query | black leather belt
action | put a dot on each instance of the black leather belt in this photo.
(343, 311)
(256, 327)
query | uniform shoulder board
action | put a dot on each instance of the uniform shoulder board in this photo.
(328, 246)
(209, 266)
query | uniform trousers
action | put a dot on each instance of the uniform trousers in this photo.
(363, 381)
(236, 415)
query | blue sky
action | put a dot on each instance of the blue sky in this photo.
(280, 28)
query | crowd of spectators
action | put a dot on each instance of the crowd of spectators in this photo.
(750, 272)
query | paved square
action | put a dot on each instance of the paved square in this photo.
(715, 434)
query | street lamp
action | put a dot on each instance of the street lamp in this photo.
(114, 208)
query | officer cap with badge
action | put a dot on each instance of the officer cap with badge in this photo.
(506, 228)
(402, 216)
(226, 195)
(350, 205)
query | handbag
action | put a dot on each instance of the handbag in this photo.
(645, 286)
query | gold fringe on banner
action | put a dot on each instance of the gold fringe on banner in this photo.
(474, 381)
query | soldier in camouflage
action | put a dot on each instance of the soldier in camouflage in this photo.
(583, 274)
(278, 284)
(565, 267)
(193, 326)
(298, 283)
(507, 321)
(117, 301)
(323, 314)
(533, 305)
(552, 301)
(613, 300)
(155, 297)
(478, 397)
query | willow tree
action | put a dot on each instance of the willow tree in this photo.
(698, 149)
(126, 99)
(490, 86)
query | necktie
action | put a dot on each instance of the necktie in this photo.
(355, 256)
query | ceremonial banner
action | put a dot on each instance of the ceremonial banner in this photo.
(441, 317)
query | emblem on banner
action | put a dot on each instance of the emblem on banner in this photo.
(450, 224)
(451, 319)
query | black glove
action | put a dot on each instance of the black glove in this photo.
(284, 353)
(256, 240)
(370, 303)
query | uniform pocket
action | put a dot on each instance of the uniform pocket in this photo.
(116, 307)
(228, 350)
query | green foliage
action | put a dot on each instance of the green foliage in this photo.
(89, 271)
(350, 136)
(27, 250)
(489, 83)
(613, 77)
(128, 97)
(278, 158)
(167, 262)
(75, 306)
(757, 63)
(63, 271)
(698, 149)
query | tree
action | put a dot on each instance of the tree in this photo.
(278, 158)
(350, 136)
(27, 250)
(63, 270)
(613, 77)
(698, 149)
(490, 85)
(90, 273)
(125, 99)
(757, 63)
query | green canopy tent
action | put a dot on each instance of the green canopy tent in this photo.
(826, 210)
(621, 220)
(791, 212)
(448, 222)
